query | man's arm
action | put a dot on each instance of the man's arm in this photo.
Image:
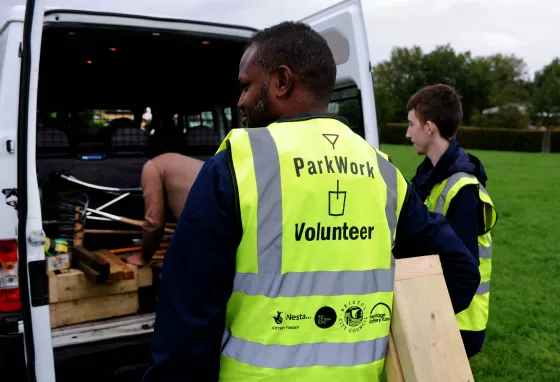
(154, 210)
(462, 215)
(197, 281)
(420, 232)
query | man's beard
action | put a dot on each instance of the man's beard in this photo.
(258, 114)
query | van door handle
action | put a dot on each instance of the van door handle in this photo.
(10, 146)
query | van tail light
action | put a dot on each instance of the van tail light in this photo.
(10, 300)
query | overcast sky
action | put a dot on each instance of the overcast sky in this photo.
(528, 28)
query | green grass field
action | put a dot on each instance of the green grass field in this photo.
(523, 335)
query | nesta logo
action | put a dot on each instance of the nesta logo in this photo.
(297, 317)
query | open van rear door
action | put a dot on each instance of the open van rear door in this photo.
(33, 282)
(343, 26)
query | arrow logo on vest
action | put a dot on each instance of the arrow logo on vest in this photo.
(332, 138)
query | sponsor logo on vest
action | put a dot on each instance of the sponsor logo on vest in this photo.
(380, 313)
(352, 316)
(278, 318)
(325, 317)
(341, 232)
(332, 165)
(281, 318)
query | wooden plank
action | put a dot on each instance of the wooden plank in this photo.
(120, 264)
(159, 255)
(92, 260)
(415, 267)
(78, 229)
(424, 326)
(92, 274)
(119, 251)
(113, 231)
(74, 285)
(117, 265)
(143, 275)
(53, 287)
(392, 362)
(139, 223)
(91, 309)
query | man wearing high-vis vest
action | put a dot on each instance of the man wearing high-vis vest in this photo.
(452, 182)
(280, 268)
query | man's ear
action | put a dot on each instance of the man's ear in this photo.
(284, 81)
(432, 128)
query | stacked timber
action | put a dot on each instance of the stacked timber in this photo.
(100, 286)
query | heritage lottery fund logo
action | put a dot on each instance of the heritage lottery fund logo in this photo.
(380, 313)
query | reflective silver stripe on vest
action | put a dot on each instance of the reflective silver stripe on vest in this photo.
(295, 284)
(301, 355)
(483, 288)
(269, 215)
(389, 174)
(487, 211)
(453, 179)
(485, 252)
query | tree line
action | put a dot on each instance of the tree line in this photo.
(496, 90)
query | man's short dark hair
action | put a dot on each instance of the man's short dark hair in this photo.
(303, 50)
(164, 137)
(439, 104)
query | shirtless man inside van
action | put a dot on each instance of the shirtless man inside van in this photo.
(167, 178)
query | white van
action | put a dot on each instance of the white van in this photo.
(74, 86)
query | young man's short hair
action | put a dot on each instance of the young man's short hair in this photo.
(439, 104)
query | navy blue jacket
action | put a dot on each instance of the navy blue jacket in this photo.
(465, 213)
(199, 269)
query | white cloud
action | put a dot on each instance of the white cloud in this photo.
(526, 28)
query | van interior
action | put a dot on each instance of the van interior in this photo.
(96, 85)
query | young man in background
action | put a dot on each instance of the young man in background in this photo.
(452, 182)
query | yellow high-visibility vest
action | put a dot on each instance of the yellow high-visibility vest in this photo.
(475, 317)
(313, 288)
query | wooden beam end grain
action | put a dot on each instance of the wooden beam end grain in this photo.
(420, 266)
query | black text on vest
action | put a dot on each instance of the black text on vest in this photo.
(333, 165)
(343, 232)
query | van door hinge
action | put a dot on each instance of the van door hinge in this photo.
(20, 49)
(11, 193)
(37, 238)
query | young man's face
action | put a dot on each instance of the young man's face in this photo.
(418, 133)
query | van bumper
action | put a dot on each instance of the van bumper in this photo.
(117, 359)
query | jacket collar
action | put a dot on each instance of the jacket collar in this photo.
(308, 116)
(427, 176)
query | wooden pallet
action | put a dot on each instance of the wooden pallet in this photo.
(75, 299)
